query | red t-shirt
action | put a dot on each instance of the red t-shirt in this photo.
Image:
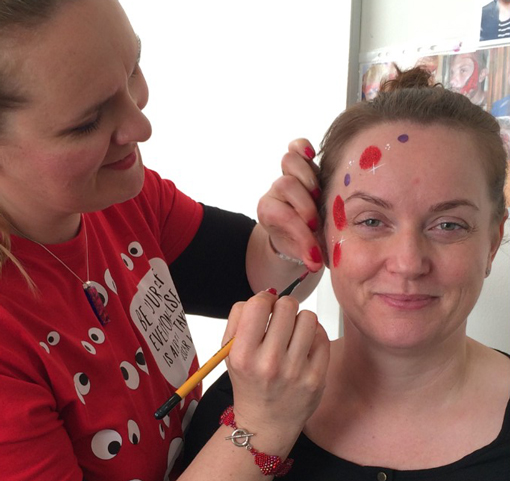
(77, 399)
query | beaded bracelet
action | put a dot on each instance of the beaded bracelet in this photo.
(268, 464)
(283, 257)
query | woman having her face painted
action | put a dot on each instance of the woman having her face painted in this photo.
(413, 214)
(100, 258)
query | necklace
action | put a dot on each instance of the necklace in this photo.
(90, 291)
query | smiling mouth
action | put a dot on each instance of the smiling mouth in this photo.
(125, 163)
(408, 302)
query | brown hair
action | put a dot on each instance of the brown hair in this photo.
(412, 96)
(15, 16)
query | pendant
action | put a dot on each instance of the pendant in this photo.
(96, 303)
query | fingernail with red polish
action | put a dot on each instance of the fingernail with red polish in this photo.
(315, 254)
(309, 152)
(313, 224)
(316, 193)
(272, 290)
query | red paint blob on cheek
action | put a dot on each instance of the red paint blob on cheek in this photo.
(370, 157)
(337, 254)
(339, 213)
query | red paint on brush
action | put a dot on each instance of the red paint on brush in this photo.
(370, 157)
(337, 254)
(339, 213)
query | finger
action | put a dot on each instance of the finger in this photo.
(303, 147)
(304, 170)
(280, 328)
(305, 331)
(252, 323)
(233, 319)
(319, 353)
(289, 190)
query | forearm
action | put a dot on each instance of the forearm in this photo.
(265, 269)
(221, 460)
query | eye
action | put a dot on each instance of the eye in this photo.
(109, 281)
(128, 262)
(82, 385)
(87, 128)
(370, 223)
(106, 444)
(135, 249)
(140, 360)
(130, 375)
(450, 226)
(89, 347)
(133, 432)
(97, 335)
(53, 338)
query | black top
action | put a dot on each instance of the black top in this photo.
(218, 254)
(312, 463)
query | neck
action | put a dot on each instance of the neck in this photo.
(394, 379)
(45, 230)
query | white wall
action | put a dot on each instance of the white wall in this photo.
(231, 83)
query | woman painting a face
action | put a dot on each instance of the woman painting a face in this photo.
(413, 213)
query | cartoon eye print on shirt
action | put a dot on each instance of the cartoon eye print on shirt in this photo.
(130, 375)
(52, 339)
(109, 281)
(97, 336)
(106, 444)
(129, 372)
(82, 385)
(140, 360)
(135, 250)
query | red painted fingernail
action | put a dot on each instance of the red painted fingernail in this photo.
(310, 153)
(316, 193)
(315, 254)
(272, 290)
(313, 224)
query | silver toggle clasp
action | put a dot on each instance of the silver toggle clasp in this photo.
(241, 434)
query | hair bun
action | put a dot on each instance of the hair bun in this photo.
(416, 77)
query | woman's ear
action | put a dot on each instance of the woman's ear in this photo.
(496, 241)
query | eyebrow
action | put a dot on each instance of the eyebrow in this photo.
(98, 106)
(439, 207)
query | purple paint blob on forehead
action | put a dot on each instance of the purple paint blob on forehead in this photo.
(347, 179)
(403, 138)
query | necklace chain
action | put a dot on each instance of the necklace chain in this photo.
(58, 258)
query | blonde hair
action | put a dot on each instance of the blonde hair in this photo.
(16, 15)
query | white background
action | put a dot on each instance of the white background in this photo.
(231, 84)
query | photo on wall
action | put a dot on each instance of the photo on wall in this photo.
(495, 23)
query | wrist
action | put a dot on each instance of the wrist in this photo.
(269, 464)
(282, 256)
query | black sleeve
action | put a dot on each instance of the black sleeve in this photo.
(210, 275)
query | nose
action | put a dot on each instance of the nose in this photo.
(133, 125)
(408, 255)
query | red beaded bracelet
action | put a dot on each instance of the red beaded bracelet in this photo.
(268, 464)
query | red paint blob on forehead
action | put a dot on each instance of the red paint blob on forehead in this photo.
(339, 213)
(370, 157)
(337, 254)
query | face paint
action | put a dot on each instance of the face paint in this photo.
(472, 82)
(387, 147)
(337, 254)
(403, 138)
(370, 157)
(339, 213)
(347, 179)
